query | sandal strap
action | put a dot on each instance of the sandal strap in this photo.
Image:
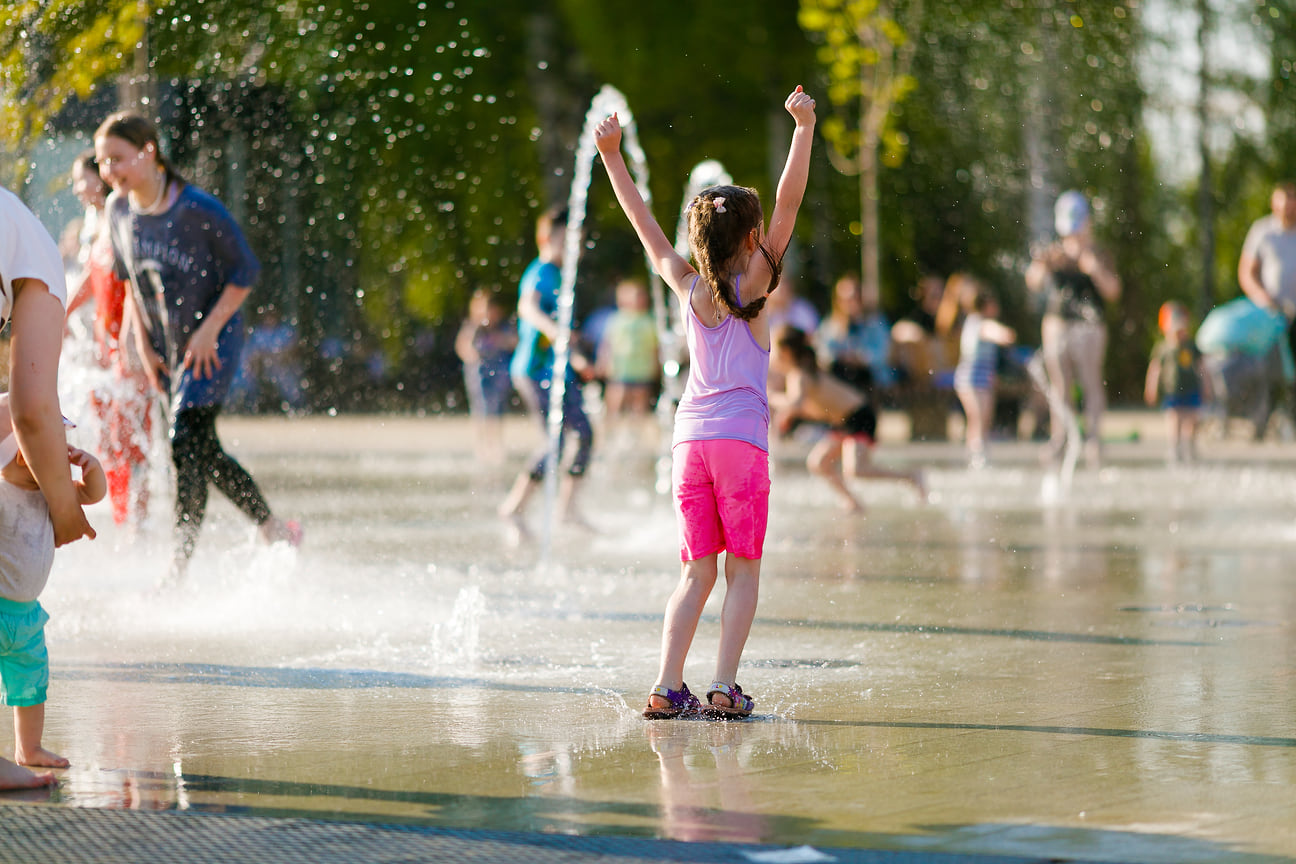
(738, 701)
(680, 698)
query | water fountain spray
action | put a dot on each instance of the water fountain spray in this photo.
(607, 101)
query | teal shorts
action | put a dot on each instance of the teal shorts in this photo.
(24, 662)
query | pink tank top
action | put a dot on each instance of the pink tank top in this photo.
(725, 393)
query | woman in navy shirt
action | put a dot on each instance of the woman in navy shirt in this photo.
(190, 268)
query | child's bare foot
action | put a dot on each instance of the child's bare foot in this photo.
(577, 519)
(516, 531)
(17, 777)
(40, 758)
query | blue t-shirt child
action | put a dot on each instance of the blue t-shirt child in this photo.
(534, 357)
(182, 260)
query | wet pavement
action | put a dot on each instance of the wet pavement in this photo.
(1013, 669)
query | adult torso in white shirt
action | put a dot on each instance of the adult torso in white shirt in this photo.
(27, 251)
(1275, 249)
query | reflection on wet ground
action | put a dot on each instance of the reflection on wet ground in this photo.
(1104, 677)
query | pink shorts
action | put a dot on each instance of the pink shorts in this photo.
(721, 497)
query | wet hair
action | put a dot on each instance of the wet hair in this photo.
(138, 131)
(797, 343)
(90, 165)
(716, 236)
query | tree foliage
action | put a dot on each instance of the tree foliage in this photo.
(388, 156)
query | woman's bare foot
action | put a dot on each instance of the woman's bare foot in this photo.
(40, 758)
(276, 530)
(17, 777)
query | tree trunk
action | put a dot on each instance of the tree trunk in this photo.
(1205, 192)
(870, 241)
(871, 120)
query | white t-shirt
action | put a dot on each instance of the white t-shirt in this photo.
(1276, 251)
(27, 555)
(27, 251)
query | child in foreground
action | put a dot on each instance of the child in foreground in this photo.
(25, 561)
(33, 294)
(819, 396)
(1177, 374)
(720, 451)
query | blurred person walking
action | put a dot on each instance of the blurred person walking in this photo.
(1076, 280)
(190, 268)
(1267, 265)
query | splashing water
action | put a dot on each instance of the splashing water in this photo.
(458, 637)
(86, 390)
(608, 101)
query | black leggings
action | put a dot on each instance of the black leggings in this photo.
(199, 460)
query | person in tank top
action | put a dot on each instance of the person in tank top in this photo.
(720, 450)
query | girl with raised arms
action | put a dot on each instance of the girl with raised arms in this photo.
(720, 448)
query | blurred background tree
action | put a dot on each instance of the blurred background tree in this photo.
(389, 156)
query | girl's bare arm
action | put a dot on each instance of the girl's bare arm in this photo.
(674, 269)
(792, 184)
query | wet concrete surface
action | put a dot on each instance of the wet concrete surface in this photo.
(1104, 673)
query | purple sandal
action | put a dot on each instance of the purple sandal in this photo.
(740, 705)
(682, 702)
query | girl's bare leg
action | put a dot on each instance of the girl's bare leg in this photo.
(682, 613)
(742, 579)
(29, 725)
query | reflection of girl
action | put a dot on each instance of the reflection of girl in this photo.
(122, 408)
(190, 268)
(1076, 280)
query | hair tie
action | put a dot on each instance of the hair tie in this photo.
(719, 204)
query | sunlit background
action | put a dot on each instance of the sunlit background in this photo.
(389, 157)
